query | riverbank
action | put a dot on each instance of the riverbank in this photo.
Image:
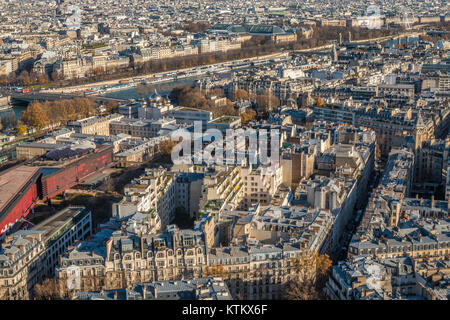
(152, 76)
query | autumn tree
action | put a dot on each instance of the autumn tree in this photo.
(112, 107)
(166, 147)
(50, 289)
(248, 115)
(218, 92)
(35, 116)
(267, 102)
(240, 94)
(216, 270)
(41, 114)
(190, 97)
(311, 272)
(221, 110)
(21, 129)
(318, 101)
(4, 294)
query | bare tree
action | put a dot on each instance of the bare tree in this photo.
(310, 275)
(50, 289)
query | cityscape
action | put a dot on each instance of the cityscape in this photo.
(224, 150)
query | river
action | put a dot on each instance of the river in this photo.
(132, 93)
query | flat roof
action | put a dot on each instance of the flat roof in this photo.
(51, 225)
(12, 181)
(190, 109)
(225, 119)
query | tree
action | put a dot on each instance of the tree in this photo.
(267, 102)
(39, 115)
(221, 110)
(166, 147)
(9, 120)
(216, 270)
(21, 129)
(240, 94)
(112, 107)
(4, 294)
(318, 101)
(35, 116)
(50, 289)
(310, 276)
(248, 115)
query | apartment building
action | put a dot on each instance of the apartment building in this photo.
(368, 278)
(212, 288)
(153, 193)
(129, 259)
(188, 187)
(220, 184)
(394, 128)
(27, 257)
(297, 164)
(260, 184)
(139, 152)
(94, 125)
(140, 128)
(190, 115)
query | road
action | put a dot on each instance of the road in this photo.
(47, 96)
(353, 225)
(152, 75)
(137, 79)
(329, 46)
